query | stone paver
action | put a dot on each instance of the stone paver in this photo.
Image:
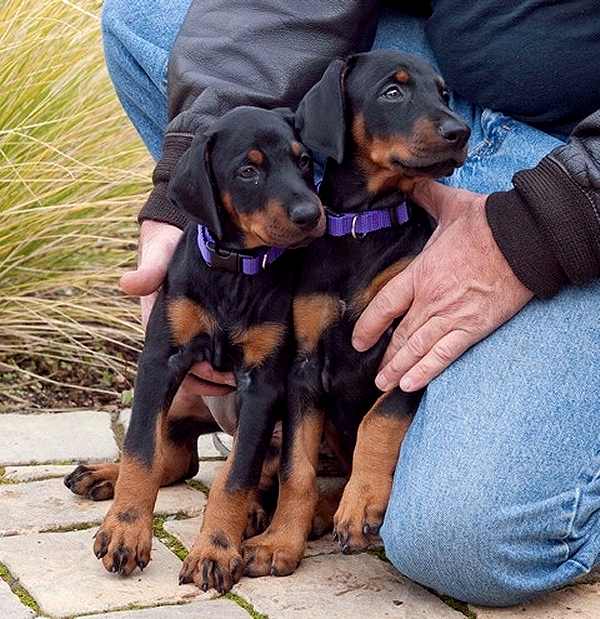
(342, 587)
(10, 606)
(60, 571)
(37, 471)
(207, 471)
(43, 505)
(50, 437)
(206, 447)
(578, 602)
(211, 609)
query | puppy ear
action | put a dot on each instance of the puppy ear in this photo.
(288, 115)
(320, 116)
(193, 187)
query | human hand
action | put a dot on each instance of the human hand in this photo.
(156, 246)
(457, 291)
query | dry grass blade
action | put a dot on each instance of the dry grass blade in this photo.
(73, 174)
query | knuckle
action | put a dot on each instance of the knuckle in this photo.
(416, 345)
(384, 304)
(444, 353)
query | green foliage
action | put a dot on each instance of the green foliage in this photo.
(73, 174)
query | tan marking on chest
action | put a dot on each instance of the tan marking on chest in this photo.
(259, 342)
(188, 319)
(361, 298)
(313, 314)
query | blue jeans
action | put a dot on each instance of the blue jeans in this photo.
(497, 492)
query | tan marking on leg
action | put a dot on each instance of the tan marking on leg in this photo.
(368, 490)
(361, 298)
(188, 319)
(313, 314)
(215, 560)
(281, 547)
(259, 342)
(255, 156)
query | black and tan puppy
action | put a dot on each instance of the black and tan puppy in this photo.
(382, 119)
(227, 299)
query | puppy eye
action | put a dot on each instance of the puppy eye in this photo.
(305, 161)
(392, 92)
(248, 173)
(445, 96)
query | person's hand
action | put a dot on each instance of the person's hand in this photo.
(156, 246)
(456, 292)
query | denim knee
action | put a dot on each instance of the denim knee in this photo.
(458, 549)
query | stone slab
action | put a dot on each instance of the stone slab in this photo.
(36, 471)
(342, 587)
(207, 471)
(580, 601)
(10, 606)
(43, 505)
(210, 609)
(84, 436)
(206, 447)
(62, 574)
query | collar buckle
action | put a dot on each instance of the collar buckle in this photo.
(356, 235)
(224, 259)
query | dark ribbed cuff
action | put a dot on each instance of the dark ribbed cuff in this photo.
(158, 207)
(523, 245)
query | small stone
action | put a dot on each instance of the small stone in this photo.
(10, 606)
(43, 505)
(35, 472)
(342, 587)
(209, 609)
(581, 601)
(61, 573)
(84, 436)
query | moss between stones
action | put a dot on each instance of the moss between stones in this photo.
(461, 607)
(80, 526)
(198, 485)
(170, 541)
(18, 589)
(240, 601)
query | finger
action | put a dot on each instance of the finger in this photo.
(144, 280)
(205, 371)
(194, 387)
(415, 347)
(391, 301)
(431, 196)
(447, 350)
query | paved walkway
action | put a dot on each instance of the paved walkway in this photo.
(47, 567)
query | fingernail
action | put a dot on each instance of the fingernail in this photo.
(381, 382)
(406, 383)
(358, 344)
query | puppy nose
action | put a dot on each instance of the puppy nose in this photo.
(305, 215)
(454, 131)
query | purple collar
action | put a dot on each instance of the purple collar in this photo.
(234, 261)
(360, 224)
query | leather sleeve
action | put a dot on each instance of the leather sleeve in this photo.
(249, 52)
(548, 226)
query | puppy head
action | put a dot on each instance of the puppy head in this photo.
(249, 179)
(390, 110)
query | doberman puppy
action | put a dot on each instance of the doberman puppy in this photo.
(383, 121)
(247, 185)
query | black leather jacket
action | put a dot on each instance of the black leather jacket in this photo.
(269, 52)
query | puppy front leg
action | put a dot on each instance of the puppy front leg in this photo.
(215, 560)
(366, 495)
(124, 539)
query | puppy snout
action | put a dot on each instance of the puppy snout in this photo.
(454, 132)
(305, 215)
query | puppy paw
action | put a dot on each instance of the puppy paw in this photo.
(124, 540)
(258, 519)
(213, 563)
(94, 481)
(359, 516)
(272, 553)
